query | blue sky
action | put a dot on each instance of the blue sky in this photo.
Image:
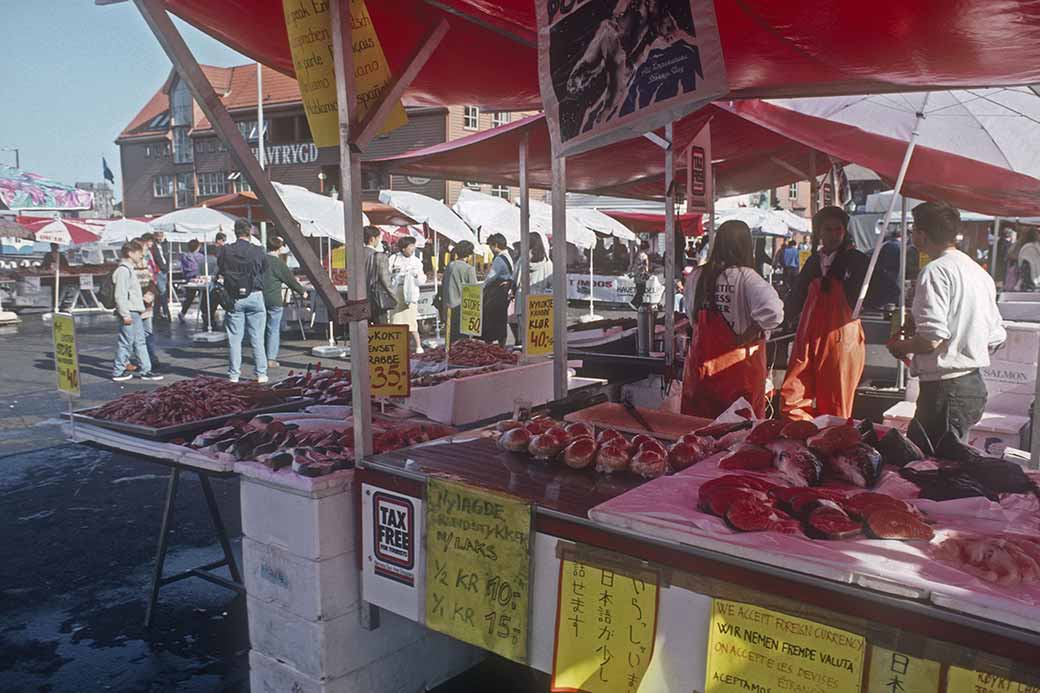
(74, 75)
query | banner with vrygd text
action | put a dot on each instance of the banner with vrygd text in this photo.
(309, 25)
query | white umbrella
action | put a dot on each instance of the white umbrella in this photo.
(767, 222)
(318, 215)
(604, 223)
(490, 214)
(426, 210)
(201, 223)
(577, 232)
(123, 230)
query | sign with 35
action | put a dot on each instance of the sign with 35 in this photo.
(388, 361)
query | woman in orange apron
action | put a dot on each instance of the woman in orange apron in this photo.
(828, 352)
(731, 308)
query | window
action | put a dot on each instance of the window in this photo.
(792, 191)
(213, 144)
(373, 180)
(470, 117)
(250, 131)
(182, 149)
(471, 185)
(185, 189)
(148, 151)
(212, 184)
(239, 184)
(500, 191)
(162, 186)
(200, 146)
(499, 119)
(159, 122)
(180, 105)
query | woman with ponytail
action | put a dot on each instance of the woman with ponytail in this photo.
(731, 309)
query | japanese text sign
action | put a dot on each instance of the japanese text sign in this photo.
(895, 672)
(751, 648)
(478, 548)
(472, 310)
(539, 325)
(388, 365)
(606, 623)
(958, 679)
(309, 26)
(66, 358)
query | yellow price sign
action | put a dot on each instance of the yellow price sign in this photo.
(539, 324)
(803, 257)
(752, 648)
(606, 623)
(894, 671)
(389, 370)
(470, 321)
(960, 680)
(66, 358)
(478, 548)
(309, 26)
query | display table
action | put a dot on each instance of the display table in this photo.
(694, 575)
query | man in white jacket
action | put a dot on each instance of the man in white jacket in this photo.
(956, 327)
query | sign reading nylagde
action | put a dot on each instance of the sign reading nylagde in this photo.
(393, 540)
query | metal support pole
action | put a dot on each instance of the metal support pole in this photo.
(814, 186)
(900, 366)
(993, 250)
(350, 176)
(525, 241)
(669, 249)
(155, 15)
(559, 256)
(891, 207)
(160, 553)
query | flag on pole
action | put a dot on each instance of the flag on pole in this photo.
(106, 172)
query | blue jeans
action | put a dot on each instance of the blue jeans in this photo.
(131, 340)
(273, 332)
(249, 316)
(149, 340)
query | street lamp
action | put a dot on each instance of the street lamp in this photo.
(17, 161)
(321, 181)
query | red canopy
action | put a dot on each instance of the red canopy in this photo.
(747, 158)
(790, 48)
(641, 222)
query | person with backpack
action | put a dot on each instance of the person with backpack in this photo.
(241, 266)
(129, 306)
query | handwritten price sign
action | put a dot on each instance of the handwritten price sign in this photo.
(388, 365)
(478, 547)
(472, 310)
(539, 325)
(66, 358)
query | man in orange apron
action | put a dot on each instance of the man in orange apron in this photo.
(828, 353)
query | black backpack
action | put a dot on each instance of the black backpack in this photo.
(106, 293)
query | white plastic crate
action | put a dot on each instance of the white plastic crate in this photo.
(993, 432)
(312, 590)
(315, 524)
(326, 648)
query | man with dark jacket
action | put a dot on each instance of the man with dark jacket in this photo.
(161, 258)
(828, 353)
(241, 265)
(277, 275)
(381, 296)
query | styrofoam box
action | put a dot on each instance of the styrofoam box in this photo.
(1019, 305)
(421, 666)
(1009, 376)
(465, 400)
(326, 648)
(1023, 340)
(312, 590)
(991, 434)
(310, 527)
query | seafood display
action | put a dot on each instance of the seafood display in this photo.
(1006, 559)
(752, 504)
(323, 385)
(471, 352)
(962, 472)
(189, 400)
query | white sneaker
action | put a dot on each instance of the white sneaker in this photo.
(233, 378)
(262, 379)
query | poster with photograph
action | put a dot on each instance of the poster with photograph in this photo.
(614, 69)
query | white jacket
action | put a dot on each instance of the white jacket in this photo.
(744, 298)
(956, 303)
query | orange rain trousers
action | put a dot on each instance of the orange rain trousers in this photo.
(718, 370)
(827, 356)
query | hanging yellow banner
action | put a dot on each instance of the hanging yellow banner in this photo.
(478, 567)
(309, 26)
(960, 680)
(894, 671)
(472, 310)
(755, 649)
(606, 623)
(539, 325)
(66, 358)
